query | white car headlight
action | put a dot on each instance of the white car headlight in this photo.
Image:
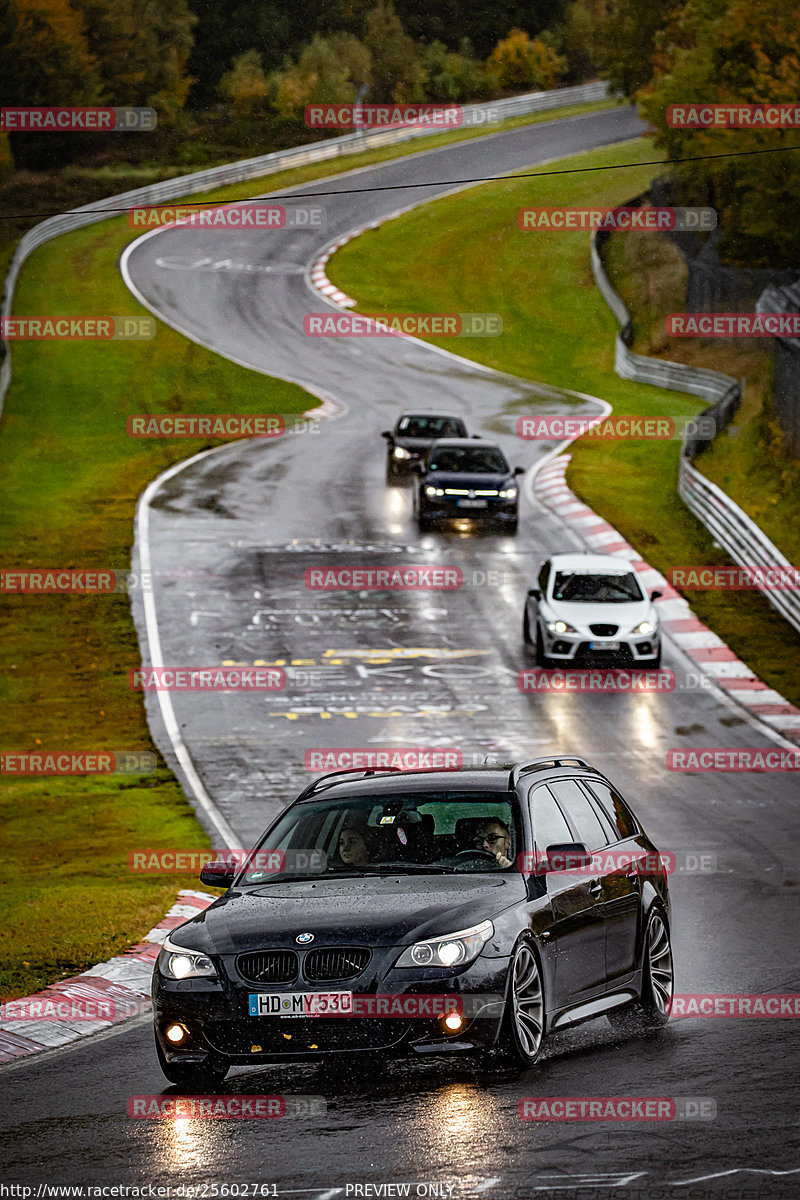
(434, 491)
(509, 493)
(177, 963)
(560, 627)
(645, 627)
(400, 452)
(454, 950)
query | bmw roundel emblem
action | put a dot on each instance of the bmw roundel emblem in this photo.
(303, 939)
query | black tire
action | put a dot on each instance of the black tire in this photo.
(541, 658)
(196, 1077)
(526, 628)
(651, 1011)
(657, 660)
(522, 1031)
(424, 524)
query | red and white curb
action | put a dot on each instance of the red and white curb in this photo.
(708, 651)
(320, 279)
(121, 985)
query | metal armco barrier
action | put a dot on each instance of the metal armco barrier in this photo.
(728, 524)
(268, 164)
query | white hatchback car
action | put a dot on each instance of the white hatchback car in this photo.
(591, 607)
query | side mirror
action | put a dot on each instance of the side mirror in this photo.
(535, 592)
(656, 595)
(386, 433)
(567, 856)
(519, 470)
(418, 468)
(217, 874)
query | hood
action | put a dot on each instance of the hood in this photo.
(456, 479)
(625, 616)
(379, 911)
(415, 444)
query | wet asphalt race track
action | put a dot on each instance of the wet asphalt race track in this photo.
(230, 538)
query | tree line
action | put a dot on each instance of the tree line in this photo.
(250, 66)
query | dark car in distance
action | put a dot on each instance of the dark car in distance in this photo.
(412, 437)
(466, 479)
(447, 912)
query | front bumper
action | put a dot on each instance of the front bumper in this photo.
(583, 646)
(444, 508)
(214, 1012)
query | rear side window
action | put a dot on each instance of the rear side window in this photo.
(578, 807)
(549, 826)
(615, 807)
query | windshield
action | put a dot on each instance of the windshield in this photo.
(431, 427)
(423, 833)
(596, 589)
(468, 460)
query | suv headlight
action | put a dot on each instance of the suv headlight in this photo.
(401, 452)
(561, 627)
(452, 951)
(509, 493)
(645, 627)
(433, 491)
(177, 963)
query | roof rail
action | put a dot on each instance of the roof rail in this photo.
(545, 764)
(316, 784)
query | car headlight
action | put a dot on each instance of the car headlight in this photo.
(452, 951)
(509, 493)
(177, 963)
(560, 627)
(401, 452)
(434, 491)
(645, 627)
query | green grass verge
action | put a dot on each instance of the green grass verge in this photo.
(465, 253)
(69, 479)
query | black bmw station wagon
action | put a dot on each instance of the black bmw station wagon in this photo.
(422, 913)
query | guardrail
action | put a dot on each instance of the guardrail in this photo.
(268, 164)
(728, 524)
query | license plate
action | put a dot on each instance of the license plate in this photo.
(472, 503)
(299, 1004)
(604, 645)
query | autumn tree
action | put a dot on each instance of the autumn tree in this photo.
(142, 48)
(519, 61)
(729, 52)
(398, 72)
(245, 85)
(45, 56)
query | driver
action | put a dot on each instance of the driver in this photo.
(495, 837)
(354, 843)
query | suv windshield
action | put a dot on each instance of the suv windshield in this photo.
(468, 460)
(419, 833)
(431, 427)
(596, 589)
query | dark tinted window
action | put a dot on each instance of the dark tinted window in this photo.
(544, 576)
(577, 805)
(549, 825)
(615, 808)
(473, 461)
(578, 588)
(431, 427)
